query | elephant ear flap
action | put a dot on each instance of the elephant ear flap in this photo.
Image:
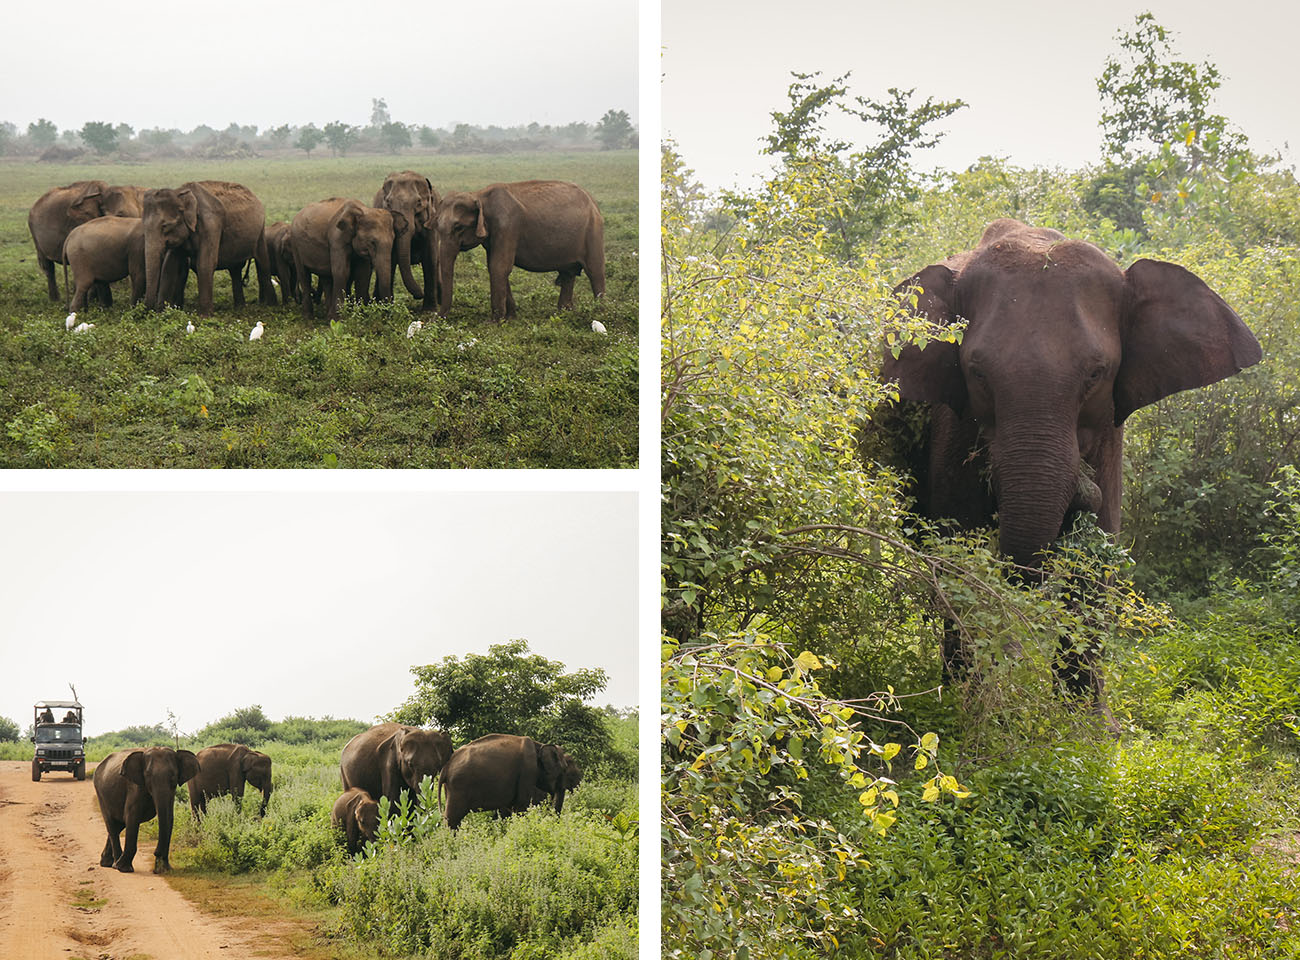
(188, 765)
(1177, 334)
(552, 762)
(189, 209)
(133, 767)
(932, 374)
(347, 223)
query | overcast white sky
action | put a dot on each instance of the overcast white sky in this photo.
(157, 63)
(1027, 69)
(308, 604)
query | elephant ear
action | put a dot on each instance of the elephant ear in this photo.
(1177, 334)
(552, 764)
(481, 230)
(346, 224)
(189, 208)
(187, 766)
(133, 767)
(432, 207)
(92, 191)
(932, 374)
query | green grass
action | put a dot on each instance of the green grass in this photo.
(137, 391)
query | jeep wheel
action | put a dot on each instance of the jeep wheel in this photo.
(36, 771)
(79, 771)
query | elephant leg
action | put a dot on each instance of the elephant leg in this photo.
(361, 280)
(262, 264)
(113, 846)
(304, 291)
(565, 282)
(47, 267)
(124, 859)
(455, 812)
(237, 287)
(596, 274)
(80, 297)
(101, 293)
(510, 300)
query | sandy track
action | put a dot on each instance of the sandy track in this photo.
(51, 885)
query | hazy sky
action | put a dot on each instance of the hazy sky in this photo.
(1027, 70)
(157, 63)
(308, 604)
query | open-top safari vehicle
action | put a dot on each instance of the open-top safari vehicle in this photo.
(57, 734)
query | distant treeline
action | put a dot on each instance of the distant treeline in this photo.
(44, 140)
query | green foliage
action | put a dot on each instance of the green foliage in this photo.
(99, 136)
(340, 136)
(9, 730)
(309, 138)
(614, 130)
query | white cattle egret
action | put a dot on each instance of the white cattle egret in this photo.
(256, 332)
(415, 327)
(71, 322)
(462, 347)
(82, 327)
(597, 326)
(189, 327)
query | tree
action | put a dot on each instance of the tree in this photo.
(9, 730)
(309, 138)
(156, 137)
(506, 690)
(124, 132)
(379, 112)
(429, 137)
(279, 135)
(614, 129)
(340, 136)
(395, 136)
(42, 133)
(99, 136)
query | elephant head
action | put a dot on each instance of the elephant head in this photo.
(461, 226)
(365, 232)
(1060, 347)
(171, 223)
(159, 771)
(98, 199)
(417, 753)
(557, 773)
(255, 768)
(414, 198)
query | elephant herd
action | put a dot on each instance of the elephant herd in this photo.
(500, 772)
(106, 233)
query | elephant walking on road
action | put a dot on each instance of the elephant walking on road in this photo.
(506, 774)
(223, 771)
(390, 759)
(133, 787)
(537, 225)
(357, 814)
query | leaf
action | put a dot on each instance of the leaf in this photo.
(807, 661)
(931, 794)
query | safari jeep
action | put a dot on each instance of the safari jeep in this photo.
(57, 734)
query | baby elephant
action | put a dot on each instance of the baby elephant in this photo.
(358, 814)
(103, 251)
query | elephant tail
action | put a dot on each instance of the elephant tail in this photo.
(247, 266)
(63, 254)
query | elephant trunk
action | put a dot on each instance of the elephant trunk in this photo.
(404, 263)
(266, 798)
(384, 274)
(1036, 478)
(446, 271)
(166, 805)
(154, 249)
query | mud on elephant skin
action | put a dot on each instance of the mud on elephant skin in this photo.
(214, 225)
(506, 774)
(356, 813)
(536, 225)
(60, 210)
(341, 240)
(1060, 347)
(101, 252)
(224, 769)
(390, 759)
(134, 786)
(414, 197)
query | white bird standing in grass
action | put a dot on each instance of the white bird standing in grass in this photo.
(71, 322)
(415, 327)
(598, 327)
(189, 327)
(83, 327)
(255, 333)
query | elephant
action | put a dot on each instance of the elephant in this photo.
(414, 198)
(279, 252)
(390, 759)
(1027, 412)
(537, 225)
(342, 240)
(504, 773)
(134, 786)
(357, 813)
(60, 209)
(214, 225)
(103, 251)
(223, 771)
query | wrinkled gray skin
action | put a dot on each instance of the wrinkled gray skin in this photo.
(223, 771)
(134, 786)
(357, 814)
(340, 239)
(505, 774)
(414, 198)
(390, 759)
(570, 777)
(536, 225)
(61, 209)
(101, 252)
(1027, 413)
(214, 225)
(279, 252)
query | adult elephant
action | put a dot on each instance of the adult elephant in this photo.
(212, 224)
(356, 813)
(1027, 413)
(414, 198)
(134, 786)
(390, 759)
(224, 769)
(61, 209)
(279, 254)
(103, 251)
(504, 773)
(537, 225)
(340, 239)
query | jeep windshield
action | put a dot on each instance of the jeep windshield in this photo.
(57, 732)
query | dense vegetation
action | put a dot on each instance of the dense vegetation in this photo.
(823, 794)
(137, 391)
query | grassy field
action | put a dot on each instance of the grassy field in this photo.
(137, 391)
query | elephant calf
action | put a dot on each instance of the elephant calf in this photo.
(103, 251)
(340, 241)
(506, 774)
(279, 250)
(390, 759)
(357, 814)
(223, 771)
(133, 787)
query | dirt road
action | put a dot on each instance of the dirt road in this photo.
(57, 902)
